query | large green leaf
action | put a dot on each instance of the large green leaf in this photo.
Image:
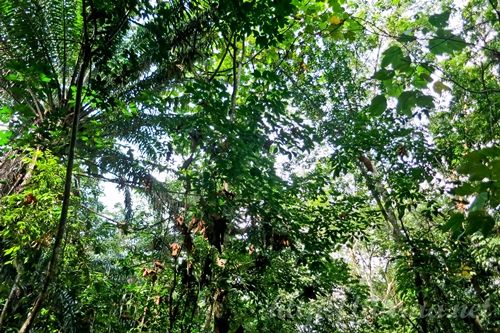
(378, 105)
(479, 172)
(479, 202)
(406, 37)
(440, 20)
(384, 74)
(4, 137)
(464, 189)
(406, 101)
(446, 42)
(5, 114)
(480, 220)
(454, 224)
(394, 56)
(425, 101)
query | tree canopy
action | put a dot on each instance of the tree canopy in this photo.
(279, 166)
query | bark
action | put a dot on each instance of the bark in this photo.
(12, 173)
(9, 300)
(399, 234)
(419, 286)
(57, 247)
(475, 324)
(236, 76)
(221, 312)
(380, 195)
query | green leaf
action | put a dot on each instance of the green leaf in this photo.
(406, 37)
(440, 20)
(479, 172)
(5, 114)
(12, 251)
(487, 225)
(480, 220)
(392, 88)
(4, 137)
(425, 101)
(474, 222)
(466, 167)
(378, 105)
(14, 77)
(446, 42)
(439, 87)
(454, 224)
(353, 26)
(255, 172)
(403, 64)
(45, 78)
(438, 46)
(479, 202)
(394, 56)
(335, 5)
(421, 81)
(406, 102)
(383, 74)
(495, 170)
(464, 189)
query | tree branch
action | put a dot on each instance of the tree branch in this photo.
(237, 65)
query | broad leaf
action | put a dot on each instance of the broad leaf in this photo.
(446, 42)
(4, 137)
(378, 105)
(464, 189)
(440, 20)
(454, 224)
(394, 56)
(480, 220)
(384, 74)
(439, 87)
(479, 202)
(406, 102)
(5, 114)
(425, 101)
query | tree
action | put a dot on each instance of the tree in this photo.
(285, 166)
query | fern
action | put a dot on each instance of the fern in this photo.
(68, 308)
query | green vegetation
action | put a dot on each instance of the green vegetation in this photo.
(285, 166)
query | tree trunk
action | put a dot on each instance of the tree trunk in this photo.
(12, 173)
(9, 300)
(57, 247)
(399, 233)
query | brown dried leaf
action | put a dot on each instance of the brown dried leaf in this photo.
(175, 248)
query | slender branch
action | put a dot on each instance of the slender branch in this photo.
(493, 5)
(384, 33)
(39, 112)
(109, 219)
(171, 316)
(220, 64)
(237, 65)
(378, 195)
(9, 299)
(136, 23)
(486, 90)
(65, 50)
(194, 307)
(490, 103)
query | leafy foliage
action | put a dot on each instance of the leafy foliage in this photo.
(286, 166)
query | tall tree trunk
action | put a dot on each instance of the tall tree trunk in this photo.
(9, 300)
(12, 173)
(57, 247)
(399, 233)
(221, 312)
